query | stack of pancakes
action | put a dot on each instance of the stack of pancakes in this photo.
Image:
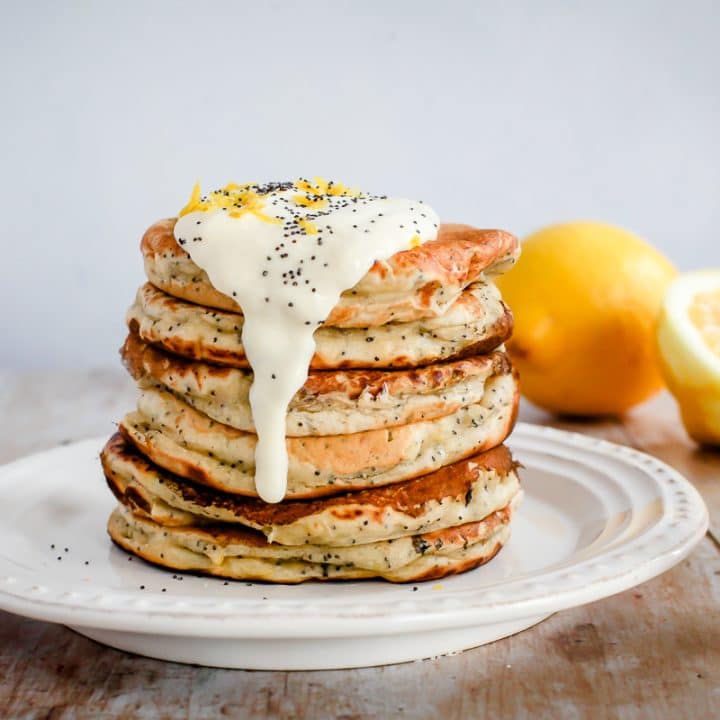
(396, 463)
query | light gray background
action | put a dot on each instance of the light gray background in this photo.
(509, 114)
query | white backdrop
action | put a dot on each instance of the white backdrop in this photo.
(509, 114)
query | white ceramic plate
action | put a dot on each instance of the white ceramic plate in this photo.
(597, 518)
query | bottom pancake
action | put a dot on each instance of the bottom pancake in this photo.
(242, 554)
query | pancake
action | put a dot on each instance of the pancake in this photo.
(477, 322)
(331, 402)
(244, 555)
(181, 439)
(466, 491)
(418, 283)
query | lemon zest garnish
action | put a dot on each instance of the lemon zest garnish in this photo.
(194, 203)
(323, 187)
(307, 226)
(307, 201)
(248, 201)
(232, 187)
(237, 200)
(415, 241)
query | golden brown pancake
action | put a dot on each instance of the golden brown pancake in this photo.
(418, 283)
(477, 322)
(181, 439)
(242, 554)
(331, 402)
(466, 491)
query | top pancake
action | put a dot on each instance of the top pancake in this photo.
(418, 283)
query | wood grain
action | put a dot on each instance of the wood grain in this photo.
(651, 652)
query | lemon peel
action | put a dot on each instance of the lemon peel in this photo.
(236, 200)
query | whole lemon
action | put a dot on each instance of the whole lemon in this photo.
(586, 297)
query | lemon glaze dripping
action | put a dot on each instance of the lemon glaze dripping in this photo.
(286, 252)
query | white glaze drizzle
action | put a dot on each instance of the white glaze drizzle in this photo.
(286, 252)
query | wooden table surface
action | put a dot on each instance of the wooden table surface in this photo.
(650, 652)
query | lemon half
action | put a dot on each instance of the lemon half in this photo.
(689, 342)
